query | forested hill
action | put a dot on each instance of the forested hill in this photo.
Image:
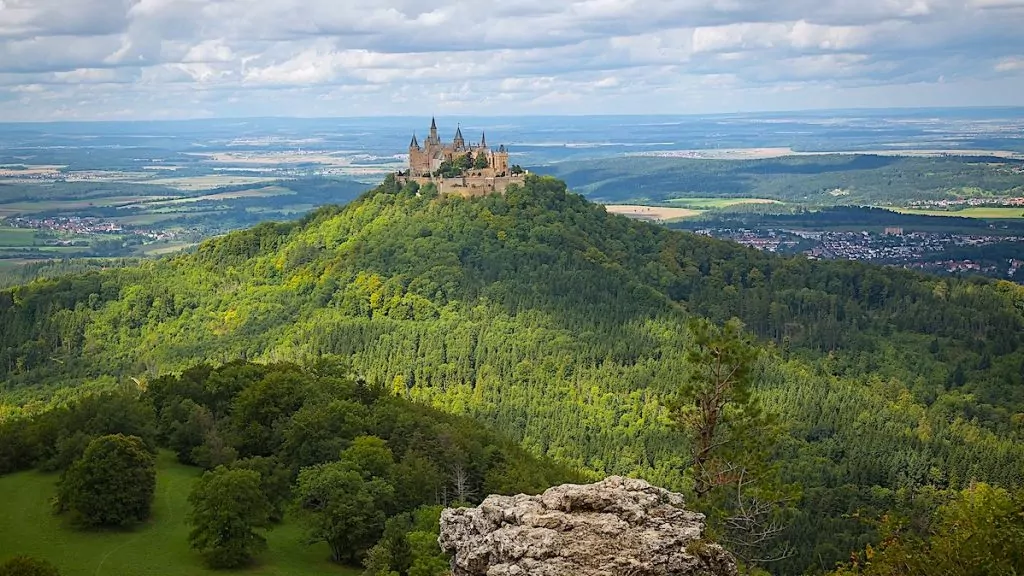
(564, 327)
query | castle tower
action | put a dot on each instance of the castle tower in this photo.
(483, 140)
(433, 139)
(459, 143)
(415, 157)
(500, 162)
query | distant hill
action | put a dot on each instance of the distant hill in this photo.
(562, 326)
(826, 179)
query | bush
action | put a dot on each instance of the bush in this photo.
(27, 566)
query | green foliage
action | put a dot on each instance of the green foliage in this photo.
(980, 532)
(158, 547)
(731, 441)
(715, 406)
(409, 546)
(275, 483)
(342, 508)
(227, 508)
(481, 161)
(464, 162)
(112, 484)
(27, 566)
(552, 321)
(858, 179)
(371, 457)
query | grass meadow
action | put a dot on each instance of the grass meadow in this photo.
(16, 236)
(158, 548)
(712, 203)
(976, 212)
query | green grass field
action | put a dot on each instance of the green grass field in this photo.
(711, 203)
(26, 208)
(7, 264)
(16, 236)
(978, 212)
(159, 548)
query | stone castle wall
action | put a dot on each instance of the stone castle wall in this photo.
(472, 185)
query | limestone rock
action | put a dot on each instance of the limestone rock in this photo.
(616, 527)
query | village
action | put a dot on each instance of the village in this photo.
(64, 227)
(917, 250)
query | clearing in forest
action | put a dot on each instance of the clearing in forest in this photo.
(158, 548)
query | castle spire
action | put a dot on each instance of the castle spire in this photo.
(459, 141)
(483, 139)
(433, 123)
(415, 143)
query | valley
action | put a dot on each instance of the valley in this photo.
(296, 314)
(565, 328)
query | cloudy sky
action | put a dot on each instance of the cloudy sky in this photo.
(125, 59)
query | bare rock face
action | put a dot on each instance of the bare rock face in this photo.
(616, 527)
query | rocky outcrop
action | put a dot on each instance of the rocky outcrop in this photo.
(616, 527)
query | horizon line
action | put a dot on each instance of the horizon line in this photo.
(805, 111)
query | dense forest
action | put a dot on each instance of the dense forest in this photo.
(887, 392)
(827, 179)
(352, 463)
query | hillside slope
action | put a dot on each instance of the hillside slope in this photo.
(827, 179)
(563, 326)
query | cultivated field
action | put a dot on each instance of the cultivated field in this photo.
(16, 236)
(275, 158)
(207, 182)
(711, 203)
(767, 153)
(656, 213)
(161, 249)
(977, 212)
(265, 192)
(160, 548)
(30, 207)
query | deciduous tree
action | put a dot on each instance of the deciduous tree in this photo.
(228, 506)
(112, 484)
(342, 508)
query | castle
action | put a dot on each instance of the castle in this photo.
(460, 168)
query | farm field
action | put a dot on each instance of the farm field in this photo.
(32, 207)
(16, 237)
(711, 203)
(659, 213)
(160, 548)
(209, 182)
(161, 249)
(264, 192)
(977, 212)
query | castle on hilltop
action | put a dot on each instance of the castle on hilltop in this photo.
(460, 167)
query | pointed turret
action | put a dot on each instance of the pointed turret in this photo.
(483, 139)
(433, 139)
(459, 141)
(415, 143)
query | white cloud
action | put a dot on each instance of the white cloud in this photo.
(199, 57)
(1011, 64)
